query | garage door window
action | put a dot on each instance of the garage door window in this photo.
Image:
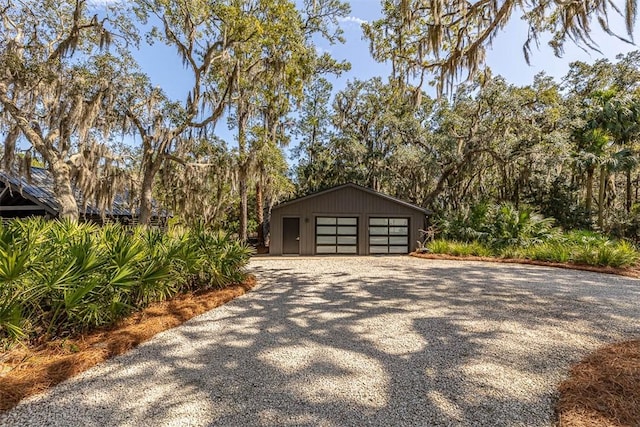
(388, 235)
(336, 235)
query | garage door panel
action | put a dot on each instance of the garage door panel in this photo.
(398, 250)
(326, 221)
(398, 231)
(378, 231)
(347, 221)
(388, 235)
(399, 240)
(399, 221)
(325, 230)
(326, 240)
(347, 249)
(378, 221)
(348, 240)
(379, 240)
(341, 238)
(348, 231)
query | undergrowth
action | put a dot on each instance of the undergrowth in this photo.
(58, 278)
(506, 232)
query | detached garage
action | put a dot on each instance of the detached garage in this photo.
(346, 220)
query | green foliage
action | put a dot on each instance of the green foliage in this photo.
(505, 232)
(595, 249)
(559, 202)
(497, 226)
(62, 277)
(613, 254)
(548, 251)
(458, 248)
(585, 249)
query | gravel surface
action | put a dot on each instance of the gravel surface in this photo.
(387, 341)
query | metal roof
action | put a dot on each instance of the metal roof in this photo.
(40, 190)
(358, 187)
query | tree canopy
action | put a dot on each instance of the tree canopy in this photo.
(448, 38)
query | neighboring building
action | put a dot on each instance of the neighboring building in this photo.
(21, 198)
(348, 219)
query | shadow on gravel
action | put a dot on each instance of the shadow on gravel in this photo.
(403, 343)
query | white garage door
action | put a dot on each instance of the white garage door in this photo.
(388, 235)
(336, 235)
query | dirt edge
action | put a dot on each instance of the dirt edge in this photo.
(633, 272)
(26, 371)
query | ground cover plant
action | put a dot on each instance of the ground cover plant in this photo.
(503, 231)
(60, 278)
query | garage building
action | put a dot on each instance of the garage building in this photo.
(346, 220)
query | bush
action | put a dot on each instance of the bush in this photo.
(612, 254)
(497, 226)
(458, 248)
(61, 277)
(581, 247)
(553, 251)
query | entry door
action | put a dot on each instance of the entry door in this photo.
(290, 235)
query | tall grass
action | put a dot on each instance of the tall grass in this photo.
(458, 248)
(60, 277)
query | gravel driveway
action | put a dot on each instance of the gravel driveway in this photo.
(386, 341)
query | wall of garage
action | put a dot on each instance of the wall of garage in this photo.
(344, 202)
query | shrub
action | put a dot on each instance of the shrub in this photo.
(612, 254)
(458, 248)
(553, 251)
(497, 226)
(61, 277)
(582, 247)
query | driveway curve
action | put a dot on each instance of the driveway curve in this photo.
(394, 341)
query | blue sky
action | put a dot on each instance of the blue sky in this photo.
(504, 57)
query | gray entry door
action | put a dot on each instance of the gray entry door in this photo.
(290, 235)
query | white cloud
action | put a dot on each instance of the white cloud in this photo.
(352, 19)
(321, 50)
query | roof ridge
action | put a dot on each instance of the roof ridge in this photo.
(359, 187)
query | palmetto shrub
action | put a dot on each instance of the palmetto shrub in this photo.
(583, 247)
(61, 277)
(610, 253)
(507, 232)
(497, 226)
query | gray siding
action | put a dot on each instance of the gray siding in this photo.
(344, 201)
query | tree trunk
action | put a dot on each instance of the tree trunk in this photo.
(146, 197)
(589, 196)
(242, 176)
(149, 171)
(62, 188)
(628, 192)
(260, 213)
(603, 183)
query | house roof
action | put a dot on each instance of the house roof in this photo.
(40, 191)
(358, 187)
